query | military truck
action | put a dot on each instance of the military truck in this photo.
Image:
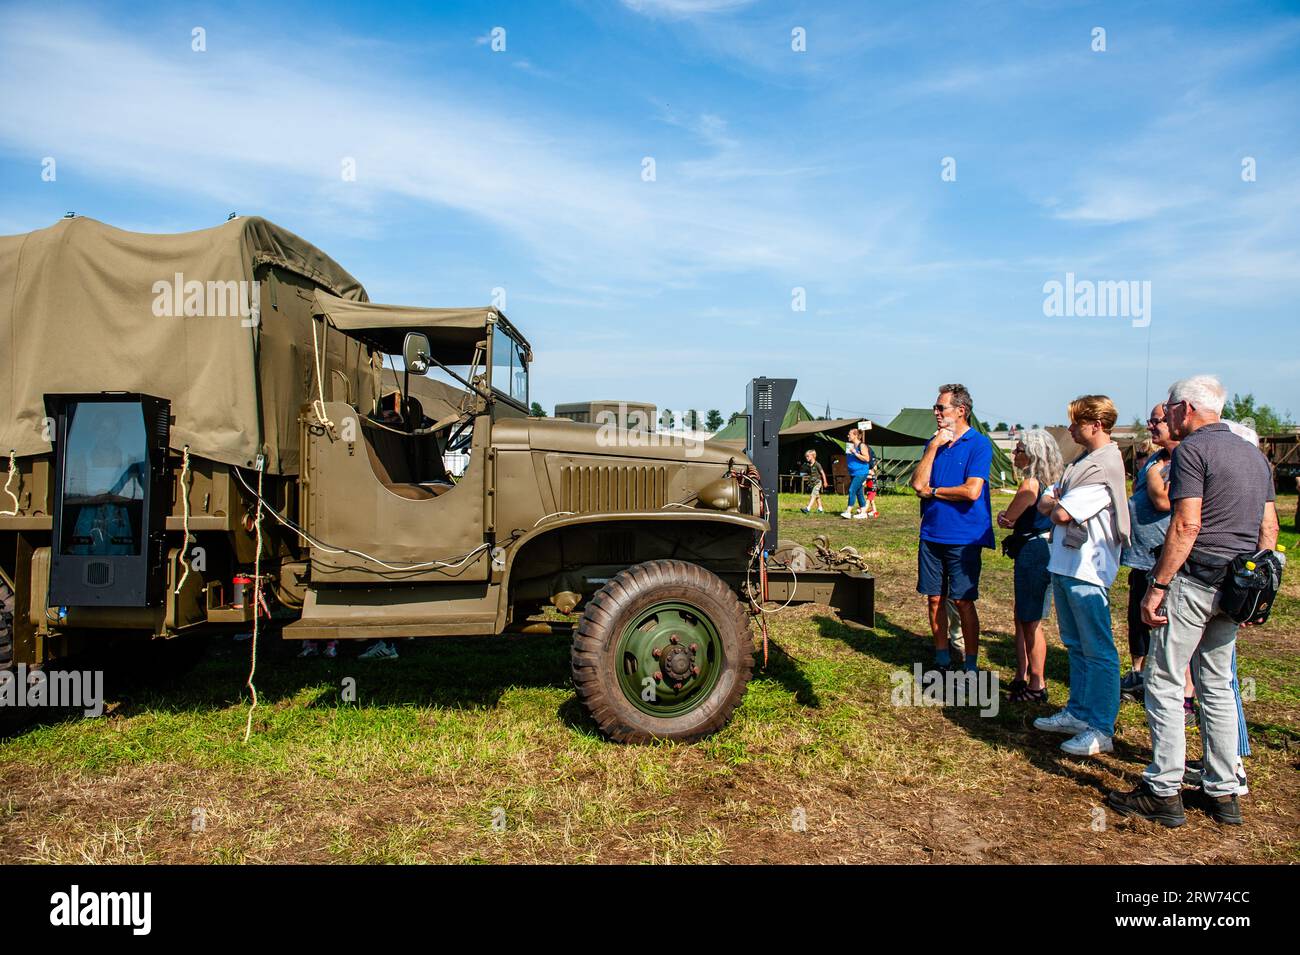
(211, 431)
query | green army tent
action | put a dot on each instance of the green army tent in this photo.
(735, 431)
(897, 463)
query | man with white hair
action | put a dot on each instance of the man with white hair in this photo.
(1224, 506)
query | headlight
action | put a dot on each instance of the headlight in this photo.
(720, 495)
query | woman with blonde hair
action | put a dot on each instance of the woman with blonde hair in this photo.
(857, 456)
(1038, 458)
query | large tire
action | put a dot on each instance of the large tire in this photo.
(693, 684)
(6, 626)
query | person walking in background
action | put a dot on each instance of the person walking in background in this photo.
(817, 477)
(857, 455)
(1224, 507)
(1089, 512)
(1038, 458)
(952, 480)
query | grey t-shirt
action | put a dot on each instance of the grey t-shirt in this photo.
(1233, 481)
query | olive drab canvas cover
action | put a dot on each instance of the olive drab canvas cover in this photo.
(219, 321)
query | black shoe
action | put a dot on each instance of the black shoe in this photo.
(1131, 687)
(1225, 810)
(1141, 801)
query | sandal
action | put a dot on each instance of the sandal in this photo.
(1015, 686)
(1026, 695)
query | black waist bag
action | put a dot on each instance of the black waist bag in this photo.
(1250, 587)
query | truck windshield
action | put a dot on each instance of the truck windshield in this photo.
(509, 366)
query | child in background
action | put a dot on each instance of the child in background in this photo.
(871, 495)
(812, 467)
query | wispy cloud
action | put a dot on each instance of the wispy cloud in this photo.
(261, 131)
(680, 9)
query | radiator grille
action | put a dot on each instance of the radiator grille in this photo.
(593, 488)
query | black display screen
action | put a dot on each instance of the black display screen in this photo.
(105, 474)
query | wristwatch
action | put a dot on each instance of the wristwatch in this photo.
(1158, 585)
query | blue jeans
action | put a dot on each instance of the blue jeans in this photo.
(855, 488)
(1243, 738)
(1083, 614)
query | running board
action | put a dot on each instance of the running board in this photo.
(379, 613)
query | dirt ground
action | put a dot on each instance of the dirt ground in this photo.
(476, 751)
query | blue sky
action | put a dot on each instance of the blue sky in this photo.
(774, 170)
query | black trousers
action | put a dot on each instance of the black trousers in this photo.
(1139, 634)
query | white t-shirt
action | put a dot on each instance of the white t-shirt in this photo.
(1096, 561)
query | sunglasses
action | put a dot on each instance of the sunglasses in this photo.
(1155, 421)
(943, 407)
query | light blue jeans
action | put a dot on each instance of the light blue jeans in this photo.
(1243, 737)
(1199, 635)
(1083, 614)
(855, 489)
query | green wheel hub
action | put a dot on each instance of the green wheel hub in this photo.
(669, 659)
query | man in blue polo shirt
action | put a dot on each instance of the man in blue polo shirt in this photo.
(952, 481)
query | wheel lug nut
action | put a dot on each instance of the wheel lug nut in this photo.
(659, 677)
(695, 671)
(655, 653)
(673, 638)
(694, 647)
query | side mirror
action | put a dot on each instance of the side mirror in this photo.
(415, 352)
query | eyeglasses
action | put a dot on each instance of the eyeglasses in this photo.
(943, 407)
(1155, 421)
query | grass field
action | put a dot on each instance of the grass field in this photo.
(475, 750)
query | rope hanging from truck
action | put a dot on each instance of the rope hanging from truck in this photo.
(13, 471)
(318, 404)
(257, 605)
(185, 520)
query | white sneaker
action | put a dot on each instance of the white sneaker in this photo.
(1088, 743)
(861, 516)
(309, 649)
(846, 514)
(380, 651)
(1061, 722)
(1242, 788)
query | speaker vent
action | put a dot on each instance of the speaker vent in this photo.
(99, 573)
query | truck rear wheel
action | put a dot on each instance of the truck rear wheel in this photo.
(663, 651)
(6, 626)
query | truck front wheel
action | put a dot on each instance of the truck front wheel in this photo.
(663, 651)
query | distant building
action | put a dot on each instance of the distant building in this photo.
(629, 415)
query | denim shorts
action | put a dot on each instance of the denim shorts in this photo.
(1033, 584)
(949, 570)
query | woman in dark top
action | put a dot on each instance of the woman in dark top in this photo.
(1038, 458)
